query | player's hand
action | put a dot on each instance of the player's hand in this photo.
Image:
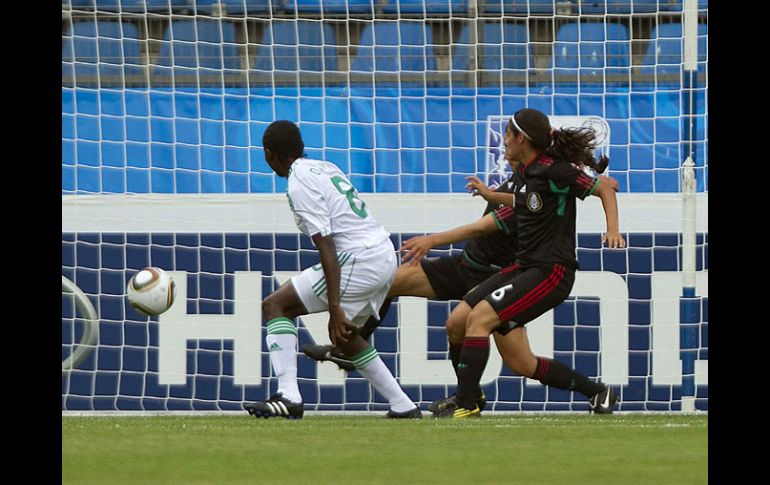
(414, 249)
(476, 187)
(611, 181)
(341, 330)
(614, 240)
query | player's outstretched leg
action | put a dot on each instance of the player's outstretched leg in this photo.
(371, 366)
(518, 357)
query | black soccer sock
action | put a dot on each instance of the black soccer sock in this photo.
(555, 374)
(473, 360)
(454, 355)
(372, 323)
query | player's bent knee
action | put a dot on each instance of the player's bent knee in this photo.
(455, 329)
(271, 308)
(482, 318)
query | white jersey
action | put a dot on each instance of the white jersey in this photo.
(325, 202)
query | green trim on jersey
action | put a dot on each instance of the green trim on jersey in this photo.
(352, 267)
(500, 224)
(562, 194)
(592, 189)
(478, 266)
(364, 358)
(320, 286)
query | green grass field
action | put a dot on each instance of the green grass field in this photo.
(528, 449)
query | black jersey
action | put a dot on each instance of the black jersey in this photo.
(546, 212)
(497, 249)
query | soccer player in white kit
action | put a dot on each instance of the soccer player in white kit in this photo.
(358, 264)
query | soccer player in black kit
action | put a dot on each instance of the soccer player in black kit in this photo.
(544, 272)
(492, 245)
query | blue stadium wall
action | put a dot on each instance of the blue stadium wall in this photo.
(207, 142)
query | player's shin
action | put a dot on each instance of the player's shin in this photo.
(473, 360)
(555, 374)
(282, 342)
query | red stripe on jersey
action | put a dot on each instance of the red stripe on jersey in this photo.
(504, 213)
(585, 181)
(543, 159)
(535, 295)
(476, 342)
(510, 269)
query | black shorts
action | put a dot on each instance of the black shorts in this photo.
(451, 277)
(519, 295)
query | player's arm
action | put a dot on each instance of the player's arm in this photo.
(416, 248)
(611, 181)
(581, 183)
(476, 187)
(606, 192)
(340, 328)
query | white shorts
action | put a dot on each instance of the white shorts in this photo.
(365, 279)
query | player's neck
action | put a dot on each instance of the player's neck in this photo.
(528, 156)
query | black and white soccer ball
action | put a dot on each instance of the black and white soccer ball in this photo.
(151, 291)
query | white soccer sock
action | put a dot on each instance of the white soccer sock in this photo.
(282, 341)
(371, 366)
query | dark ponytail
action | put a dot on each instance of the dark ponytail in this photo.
(577, 145)
(570, 144)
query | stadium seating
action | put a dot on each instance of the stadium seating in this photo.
(107, 45)
(134, 6)
(425, 6)
(379, 48)
(204, 44)
(600, 7)
(330, 6)
(591, 48)
(503, 46)
(241, 7)
(286, 41)
(204, 7)
(120, 5)
(664, 53)
(79, 4)
(517, 6)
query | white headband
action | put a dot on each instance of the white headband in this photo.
(516, 125)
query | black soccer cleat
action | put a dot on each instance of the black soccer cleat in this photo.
(412, 414)
(445, 408)
(602, 402)
(330, 353)
(275, 407)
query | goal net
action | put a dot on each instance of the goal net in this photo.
(164, 104)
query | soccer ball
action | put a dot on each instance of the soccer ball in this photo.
(151, 291)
